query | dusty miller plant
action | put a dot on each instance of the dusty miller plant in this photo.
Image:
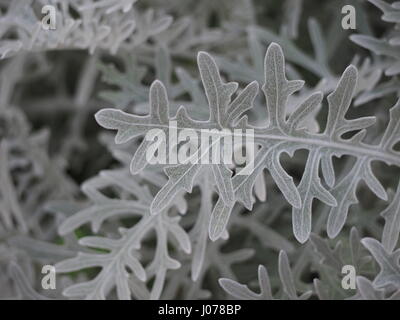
(77, 192)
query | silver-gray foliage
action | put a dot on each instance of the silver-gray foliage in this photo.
(76, 189)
